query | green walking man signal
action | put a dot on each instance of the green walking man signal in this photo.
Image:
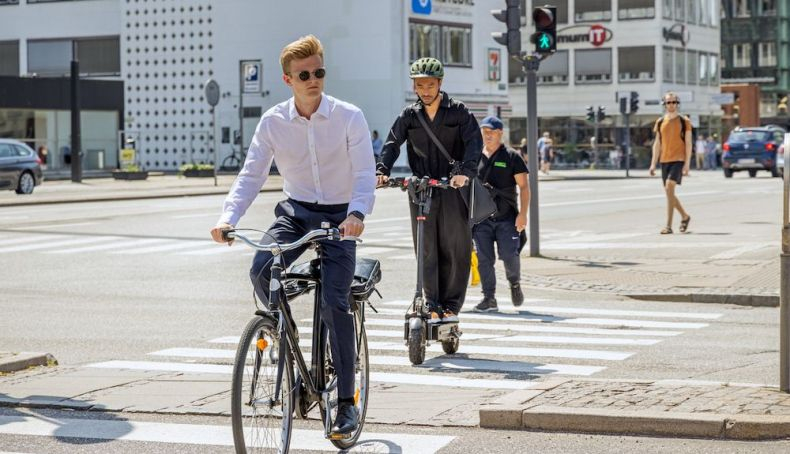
(545, 37)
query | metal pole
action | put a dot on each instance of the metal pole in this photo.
(627, 145)
(784, 286)
(531, 65)
(216, 148)
(241, 108)
(595, 142)
(76, 136)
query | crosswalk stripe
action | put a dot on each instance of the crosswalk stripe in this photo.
(24, 239)
(52, 244)
(214, 353)
(379, 377)
(374, 250)
(211, 249)
(180, 244)
(203, 434)
(564, 340)
(527, 328)
(571, 320)
(513, 351)
(118, 243)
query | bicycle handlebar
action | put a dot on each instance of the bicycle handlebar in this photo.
(313, 235)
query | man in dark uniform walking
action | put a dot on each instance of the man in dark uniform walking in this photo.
(502, 170)
(448, 237)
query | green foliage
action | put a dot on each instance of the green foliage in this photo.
(195, 166)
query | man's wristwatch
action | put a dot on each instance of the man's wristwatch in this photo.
(357, 215)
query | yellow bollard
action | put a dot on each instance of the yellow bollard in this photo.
(474, 273)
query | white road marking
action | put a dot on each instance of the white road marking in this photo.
(621, 199)
(199, 215)
(737, 252)
(572, 320)
(202, 434)
(379, 221)
(118, 243)
(590, 311)
(449, 362)
(30, 238)
(172, 245)
(52, 244)
(52, 226)
(556, 245)
(212, 249)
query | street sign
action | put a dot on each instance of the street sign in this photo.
(722, 98)
(212, 92)
(251, 76)
(494, 64)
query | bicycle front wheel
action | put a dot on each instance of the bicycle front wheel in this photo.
(262, 418)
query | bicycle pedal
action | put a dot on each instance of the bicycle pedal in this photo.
(336, 436)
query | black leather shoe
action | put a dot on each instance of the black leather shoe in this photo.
(347, 420)
(516, 295)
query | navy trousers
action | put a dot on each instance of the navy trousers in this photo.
(503, 233)
(294, 219)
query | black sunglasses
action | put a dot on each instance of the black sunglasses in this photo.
(672, 102)
(319, 73)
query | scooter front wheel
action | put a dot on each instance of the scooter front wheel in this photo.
(417, 344)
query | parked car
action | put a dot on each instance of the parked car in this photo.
(752, 149)
(20, 167)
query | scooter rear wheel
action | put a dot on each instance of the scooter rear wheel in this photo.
(450, 346)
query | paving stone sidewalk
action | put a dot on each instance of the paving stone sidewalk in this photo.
(667, 407)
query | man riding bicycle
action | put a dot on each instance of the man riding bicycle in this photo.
(448, 237)
(324, 154)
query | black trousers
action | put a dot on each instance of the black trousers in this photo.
(294, 219)
(503, 233)
(447, 252)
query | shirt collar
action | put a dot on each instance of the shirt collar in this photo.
(324, 108)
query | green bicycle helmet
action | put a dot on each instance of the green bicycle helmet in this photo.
(426, 67)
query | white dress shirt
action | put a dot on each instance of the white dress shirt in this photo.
(327, 159)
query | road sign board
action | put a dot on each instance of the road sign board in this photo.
(722, 98)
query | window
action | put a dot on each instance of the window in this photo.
(554, 70)
(636, 64)
(713, 7)
(680, 10)
(742, 55)
(703, 69)
(692, 65)
(593, 10)
(593, 66)
(636, 9)
(668, 74)
(9, 2)
(450, 43)
(668, 9)
(741, 8)
(767, 54)
(6, 151)
(691, 11)
(713, 70)
(766, 7)
(457, 46)
(680, 66)
(424, 40)
(97, 56)
(9, 58)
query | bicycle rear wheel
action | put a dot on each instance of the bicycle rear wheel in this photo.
(261, 420)
(361, 382)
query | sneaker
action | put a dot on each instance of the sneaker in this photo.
(516, 295)
(449, 317)
(487, 305)
(435, 317)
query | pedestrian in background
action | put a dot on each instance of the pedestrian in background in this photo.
(43, 154)
(501, 170)
(672, 149)
(699, 152)
(377, 145)
(546, 151)
(524, 149)
(710, 153)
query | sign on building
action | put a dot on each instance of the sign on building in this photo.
(251, 76)
(494, 64)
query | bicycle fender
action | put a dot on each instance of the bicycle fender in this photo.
(415, 323)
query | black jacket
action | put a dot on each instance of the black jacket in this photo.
(453, 125)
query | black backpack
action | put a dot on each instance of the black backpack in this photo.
(683, 126)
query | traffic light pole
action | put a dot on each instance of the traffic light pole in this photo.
(627, 145)
(531, 66)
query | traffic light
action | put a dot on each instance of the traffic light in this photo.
(590, 113)
(545, 37)
(634, 102)
(601, 114)
(512, 17)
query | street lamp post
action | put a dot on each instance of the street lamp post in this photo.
(784, 280)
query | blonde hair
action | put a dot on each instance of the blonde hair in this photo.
(672, 94)
(304, 47)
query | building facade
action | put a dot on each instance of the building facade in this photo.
(164, 51)
(610, 46)
(755, 49)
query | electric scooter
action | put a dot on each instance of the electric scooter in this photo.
(418, 332)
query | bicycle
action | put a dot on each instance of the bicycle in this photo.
(270, 345)
(234, 161)
(416, 334)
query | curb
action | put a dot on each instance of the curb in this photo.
(711, 298)
(23, 360)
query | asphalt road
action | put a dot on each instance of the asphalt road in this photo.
(93, 282)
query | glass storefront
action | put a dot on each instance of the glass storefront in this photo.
(52, 128)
